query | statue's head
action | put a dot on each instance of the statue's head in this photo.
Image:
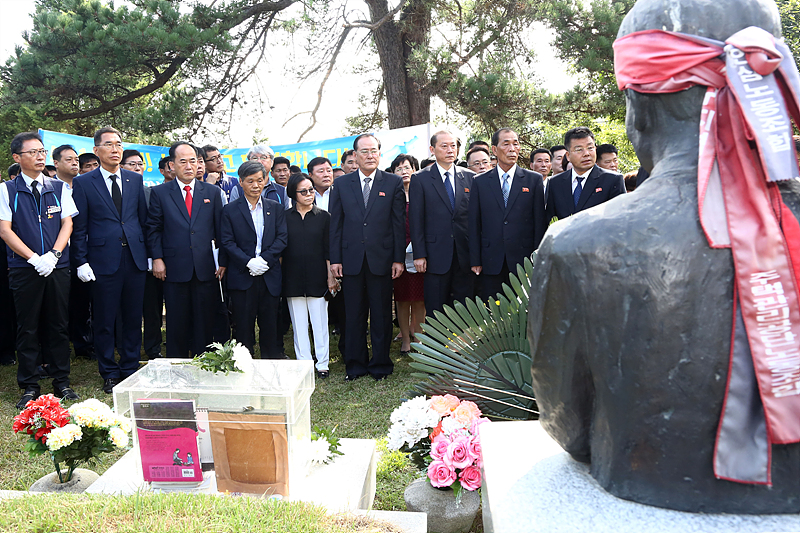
(714, 19)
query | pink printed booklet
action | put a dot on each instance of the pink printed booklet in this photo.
(167, 434)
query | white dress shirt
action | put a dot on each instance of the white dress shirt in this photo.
(362, 176)
(452, 177)
(257, 214)
(575, 175)
(322, 200)
(182, 185)
(511, 171)
(107, 178)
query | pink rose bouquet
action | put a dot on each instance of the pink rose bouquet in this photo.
(441, 437)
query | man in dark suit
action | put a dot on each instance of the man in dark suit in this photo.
(506, 215)
(182, 227)
(253, 236)
(438, 204)
(108, 248)
(585, 185)
(367, 249)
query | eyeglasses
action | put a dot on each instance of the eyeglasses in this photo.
(34, 153)
(479, 163)
(261, 158)
(217, 157)
(109, 146)
(305, 192)
(373, 151)
(579, 150)
(133, 164)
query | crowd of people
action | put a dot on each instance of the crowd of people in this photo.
(94, 256)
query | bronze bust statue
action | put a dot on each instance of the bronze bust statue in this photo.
(630, 316)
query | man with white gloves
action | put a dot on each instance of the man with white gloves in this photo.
(253, 236)
(108, 249)
(35, 223)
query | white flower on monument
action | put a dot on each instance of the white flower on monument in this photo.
(242, 358)
(319, 451)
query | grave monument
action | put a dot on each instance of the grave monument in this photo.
(664, 324)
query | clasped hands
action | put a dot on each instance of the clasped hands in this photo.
(257, 266)
(44, 264)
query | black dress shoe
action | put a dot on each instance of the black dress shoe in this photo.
(109, 384)
(348, 377)
(27, 396)
(66, 393)
(379, 377)
(322, 374)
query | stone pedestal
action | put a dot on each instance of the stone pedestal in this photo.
(530, 486)
(81, 480)
(444, 516)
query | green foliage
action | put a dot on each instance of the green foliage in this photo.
(480, 352)
(790, 22)
(220, 359)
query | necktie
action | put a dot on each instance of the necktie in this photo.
(188, 199)
(116, 194)
(450, 192)
(366, 191)
(36, 194)
(506, 189)
(576, 194)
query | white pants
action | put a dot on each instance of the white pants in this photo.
(300, 309)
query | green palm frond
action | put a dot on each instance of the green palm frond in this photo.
(480, 352)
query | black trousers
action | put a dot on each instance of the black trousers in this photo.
(491, 285)
(456, 285)
(257, 303)
(336, 317)
(42, 306)
(8, 319)
(191, 309)
(152, 313)
(367, 294)
(118, 295)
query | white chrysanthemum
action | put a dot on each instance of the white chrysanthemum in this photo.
(241, 355)
(93, 413)
(118, 437)
(320, 450)
(413, 436)
(450, 425)
(63, 436)
(124, 423)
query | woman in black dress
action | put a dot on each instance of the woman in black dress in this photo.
(306, 271)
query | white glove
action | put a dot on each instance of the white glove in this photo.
(149, 264)
(263, 263)
(47, 264)
(256, 267)
(34, 261)
(85, 273)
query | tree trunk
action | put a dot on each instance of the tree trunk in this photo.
(416, 23)
(390, 52)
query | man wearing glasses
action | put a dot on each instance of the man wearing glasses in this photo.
(215, 171)
(272, 190)
(108, 249)
(479, 160)
(35, 223)
(367, 249)
(585, 185)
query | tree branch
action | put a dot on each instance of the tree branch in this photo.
(157, 83)
(372, 26)
(331, 63)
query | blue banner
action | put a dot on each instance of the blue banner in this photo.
(412, 140)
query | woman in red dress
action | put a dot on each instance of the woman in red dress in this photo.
(408, 288)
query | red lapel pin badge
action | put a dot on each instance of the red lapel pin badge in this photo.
(206, 201)
(381, 193)
(598, 189)
(525, 189)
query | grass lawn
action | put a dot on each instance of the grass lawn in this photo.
(358, 409)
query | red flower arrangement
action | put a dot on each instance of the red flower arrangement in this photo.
(40, 417)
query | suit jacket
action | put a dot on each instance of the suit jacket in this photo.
(601, 186)
(511, 232)
(377, 231)
(239, 241)
(184, 243)
(435, 225)
(98, 229)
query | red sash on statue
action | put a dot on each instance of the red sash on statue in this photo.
(745, 148)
